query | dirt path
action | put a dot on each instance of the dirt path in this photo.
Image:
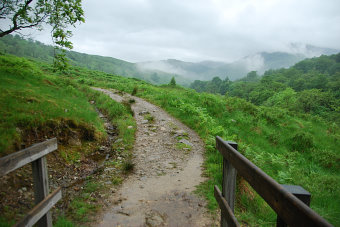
(159, 192)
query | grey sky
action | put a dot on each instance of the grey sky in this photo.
(194, 30)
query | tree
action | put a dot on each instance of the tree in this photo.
(24, 14)
(213, 86)
(225, 86)
(172, 82)
(251, 77)
(284, 99)
(315, 101)
(155, 77)
(198, 85)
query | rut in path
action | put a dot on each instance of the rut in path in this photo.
(159, 192)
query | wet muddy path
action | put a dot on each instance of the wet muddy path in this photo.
(168, 159)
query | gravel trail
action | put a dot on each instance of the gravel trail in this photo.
(168, 159)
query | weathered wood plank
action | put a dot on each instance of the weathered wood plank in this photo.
(229, 184)
(41, 209)
(41, 188)
(18, 159)
(286, 205)
(227, 213)
(300, 193)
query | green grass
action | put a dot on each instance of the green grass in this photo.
(120, 116)
(149, 117)
(128, 165)
(63, 222)
(300, 150)
(82, 209)
(181, 146)
(86, 204)
(38, 104)
(6, 223)
(33, 101)
(266, 136)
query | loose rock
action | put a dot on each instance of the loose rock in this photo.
(186, 142)
(143, 112)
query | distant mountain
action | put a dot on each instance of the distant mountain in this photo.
(311, 51)
(34, 49)
(161, 72)
(259, 62)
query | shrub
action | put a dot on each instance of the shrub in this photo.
(173, 82)
(301, 141)
(134, 91)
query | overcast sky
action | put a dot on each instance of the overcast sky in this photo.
(195, 30)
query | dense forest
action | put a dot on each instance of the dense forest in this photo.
(36, 50)
(310, 86)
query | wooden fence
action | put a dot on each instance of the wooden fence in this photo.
(35, 154)
(288, 201)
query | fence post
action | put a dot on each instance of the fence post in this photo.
(41, 188)
(300, 193)
(228, 183)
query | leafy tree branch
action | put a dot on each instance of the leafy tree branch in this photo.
(59, 14)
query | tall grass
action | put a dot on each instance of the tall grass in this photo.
(36, 100)
(30, 99)
(300, 150)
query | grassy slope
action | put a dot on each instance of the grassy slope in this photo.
(30, 99)
(39, 51)
(37, 104)
(301, 150)
(266, 136)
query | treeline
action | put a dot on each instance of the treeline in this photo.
(310, 86)
(30, 48)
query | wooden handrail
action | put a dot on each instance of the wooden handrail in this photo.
(293, 211)
(18, 159)
(40, 209)
(35, 154)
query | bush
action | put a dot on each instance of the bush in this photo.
(272, 115)
(301, 141)
(134, 91)
(173, 82)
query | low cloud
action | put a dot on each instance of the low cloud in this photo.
(195, 30)
(253, 63)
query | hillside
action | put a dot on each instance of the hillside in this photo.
(161, 72)
(37, 104)
(260, 62)
(310, 86)
(37, 50)
(292, 148)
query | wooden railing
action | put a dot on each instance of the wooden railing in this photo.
(289, 208)
(35, 154)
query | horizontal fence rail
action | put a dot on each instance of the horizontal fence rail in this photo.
(44, 201)
(18, 159)
(288, 207)
(40, 209)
